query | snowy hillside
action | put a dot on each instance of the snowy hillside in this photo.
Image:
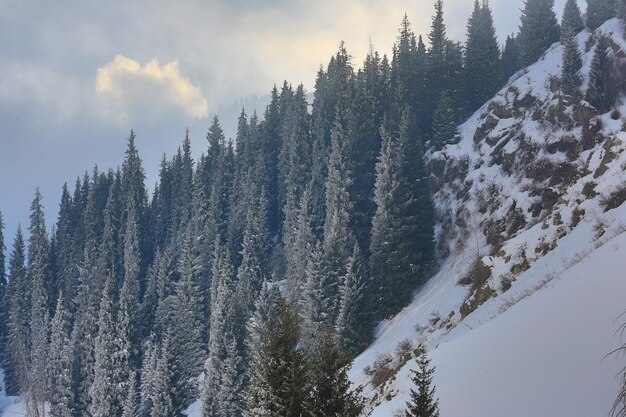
(523, 310)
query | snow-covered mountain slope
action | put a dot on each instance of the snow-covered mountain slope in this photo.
(532, 223)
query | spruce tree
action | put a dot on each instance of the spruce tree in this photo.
(188, 353)
(572, 60)
(444, 122)
(423, 402)
(130, 408)
(298, 249)
(317, 299)
(482, 58)
(599, 11)
(572, 21)
(266, 308)
(405, 68)
(571, 78)
(402, 231)
(38, 252)
(129, 294)
(338, 235)
(16, 357)
(255, 250)
(60, 390)
(278, 371)
(331, 393)
(436, 74)
(112, 364)
(133, 182)
(221, 301)
(229, 404)
(162, 401)
(4, 298)
(538, 31)
(370, 104)
(621, 10)
(599, 93)
(353, 329)
(510, 58)
(148, 378)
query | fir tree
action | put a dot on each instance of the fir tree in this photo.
(599, 11)
(4, 298)
(353, 327)
(621, 10)
(60, 392)
(423, 402)
(600, 93)
(482, 58)
(38, 251)
(111, 367)
(221, 302)
(130, 408)
(331, 392)
(317, 300)
(255, 250)
(278, 371)
(16, 357)
(266, 308)
(571, 24)
(148, 382)
(188, 352)
(129, 294)
(229, 404)
(338, 236)
(538, 31)
(436, 74)
(510, 57)
(299, 244)
(571, 78)
(402, 231)
(162, 401)
(444, 122)
(572, 21)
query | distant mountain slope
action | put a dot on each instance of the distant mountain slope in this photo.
(528, 223)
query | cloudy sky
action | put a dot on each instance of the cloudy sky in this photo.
(77, 75)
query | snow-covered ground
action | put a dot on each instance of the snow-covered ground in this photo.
(9, 406)
(543, 356)
(538, 348)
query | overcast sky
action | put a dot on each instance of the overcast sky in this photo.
(77, 75)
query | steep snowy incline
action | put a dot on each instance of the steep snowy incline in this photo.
(532, 233)
(545, 355)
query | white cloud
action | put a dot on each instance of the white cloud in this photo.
(152, 87)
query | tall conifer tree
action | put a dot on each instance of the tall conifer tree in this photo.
(538, 31)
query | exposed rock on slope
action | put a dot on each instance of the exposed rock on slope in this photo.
(528, 193)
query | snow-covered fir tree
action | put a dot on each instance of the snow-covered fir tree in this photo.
(538, 31)
(572, 21)
(482, 59)
(331, 391)
(600, 92)
(444, 122)
(423, 402)
(353, 327)
(599, 11)
(60, 390)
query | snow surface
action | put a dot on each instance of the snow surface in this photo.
(539, 348)
(544, 356)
